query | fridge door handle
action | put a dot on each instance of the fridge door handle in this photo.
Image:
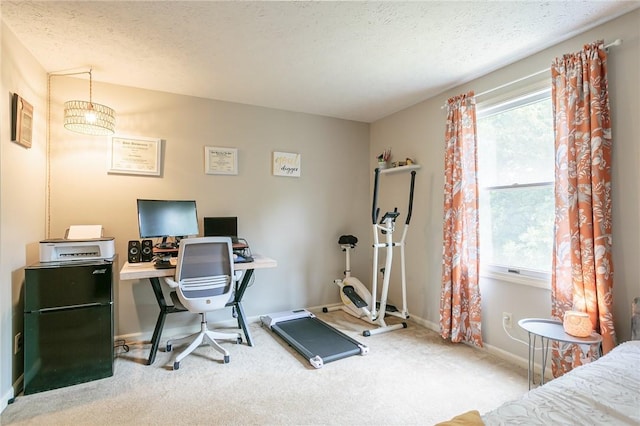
(66, 308)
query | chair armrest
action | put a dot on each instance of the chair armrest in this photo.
(170, 282)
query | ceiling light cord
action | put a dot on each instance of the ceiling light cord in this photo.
(90, 89)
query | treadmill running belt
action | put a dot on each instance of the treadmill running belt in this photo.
(313, 337)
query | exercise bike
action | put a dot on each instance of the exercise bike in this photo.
(356, 298)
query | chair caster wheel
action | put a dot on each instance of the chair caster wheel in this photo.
(176, 366)
(239, 340)
(226, 359)
(169, 347)
(325, 310)
(366, 333)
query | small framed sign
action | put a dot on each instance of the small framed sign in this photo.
(21, 121)
(286, 164)
(220, 161)
(135, 156)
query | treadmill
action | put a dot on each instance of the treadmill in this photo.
(314, 339)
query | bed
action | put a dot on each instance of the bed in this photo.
(604, 392)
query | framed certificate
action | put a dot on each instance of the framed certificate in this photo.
(135, 156)
(21, 121)
(220, 161)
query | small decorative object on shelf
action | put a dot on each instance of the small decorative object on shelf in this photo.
(577, 324)
(406, 162)
(383, 159)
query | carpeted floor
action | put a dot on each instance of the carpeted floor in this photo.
(409, 377)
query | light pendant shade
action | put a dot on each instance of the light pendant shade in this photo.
(89, 118)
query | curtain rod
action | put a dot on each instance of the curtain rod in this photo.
(616, 42)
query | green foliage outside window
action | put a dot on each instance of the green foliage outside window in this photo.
(515, 171)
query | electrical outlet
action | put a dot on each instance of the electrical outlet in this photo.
(17, 343)
(507, 319)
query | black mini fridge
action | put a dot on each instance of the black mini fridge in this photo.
(68, 324)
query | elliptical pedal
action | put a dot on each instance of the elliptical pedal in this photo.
(355, 298)
(389, 308)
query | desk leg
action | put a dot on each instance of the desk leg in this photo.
(237, 304)
(157, 333)
(164, 310)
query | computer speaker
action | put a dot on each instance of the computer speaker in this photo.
(134, 252)
(147, 250)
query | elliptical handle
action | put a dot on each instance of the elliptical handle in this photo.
(413, 180)
(374, 210)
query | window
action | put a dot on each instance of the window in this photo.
(516, 176)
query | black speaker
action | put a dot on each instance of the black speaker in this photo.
(147, 250)
(133, 251)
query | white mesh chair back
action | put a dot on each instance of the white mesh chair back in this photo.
(204, 273)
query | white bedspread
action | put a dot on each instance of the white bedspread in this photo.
(604, 392)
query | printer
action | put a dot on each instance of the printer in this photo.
(81, 242)
(59, 249)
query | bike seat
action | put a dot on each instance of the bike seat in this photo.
(348, 239)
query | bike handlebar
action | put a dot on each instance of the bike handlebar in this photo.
(413, 181)
(375, 210)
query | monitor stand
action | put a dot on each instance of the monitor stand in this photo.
(164, 245)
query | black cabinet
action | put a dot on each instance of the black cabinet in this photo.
(68, 324)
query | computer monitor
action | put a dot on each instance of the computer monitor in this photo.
(221, 227)
(167, 219)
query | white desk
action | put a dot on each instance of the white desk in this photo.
(138, 271)
(547, 330)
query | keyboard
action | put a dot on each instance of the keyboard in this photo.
(237, 258)
(163, 264)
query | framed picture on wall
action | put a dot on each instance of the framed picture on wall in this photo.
(286, 164)
(220, 161)
(21, 121)
(135, 156)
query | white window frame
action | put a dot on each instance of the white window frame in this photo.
(527, 95)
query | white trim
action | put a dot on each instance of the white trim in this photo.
(9, 394)
(543, 280)
(525, 96)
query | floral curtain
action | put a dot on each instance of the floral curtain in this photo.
(460, 295)
(582, 274)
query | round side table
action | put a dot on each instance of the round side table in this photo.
(551, 330)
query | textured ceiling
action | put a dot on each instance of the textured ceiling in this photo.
(354, 60)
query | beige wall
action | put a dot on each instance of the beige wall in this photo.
(419, 131)
(22, 174)
(297, 221)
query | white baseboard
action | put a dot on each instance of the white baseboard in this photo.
(143, 338)
(9, 395)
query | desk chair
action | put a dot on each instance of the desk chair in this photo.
(203, 283)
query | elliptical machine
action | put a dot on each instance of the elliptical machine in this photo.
(357, 300)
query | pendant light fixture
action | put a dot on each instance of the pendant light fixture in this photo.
(89, 118)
